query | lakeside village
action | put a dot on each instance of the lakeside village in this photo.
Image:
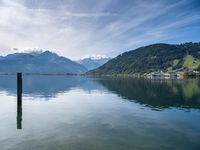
(168, 75)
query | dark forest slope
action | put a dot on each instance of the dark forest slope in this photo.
(156, 57)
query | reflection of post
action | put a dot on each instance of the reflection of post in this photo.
(19, 100)
(19, 115)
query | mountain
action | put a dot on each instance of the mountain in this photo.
(39, 62)
(156, 57)
(93, 63)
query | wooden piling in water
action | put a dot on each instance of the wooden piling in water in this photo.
(19, 87)
(19, 100)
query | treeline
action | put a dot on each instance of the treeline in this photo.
(156, 57)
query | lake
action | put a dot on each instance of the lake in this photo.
(83, 113)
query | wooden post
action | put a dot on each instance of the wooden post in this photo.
(19, 87)
(19, 100)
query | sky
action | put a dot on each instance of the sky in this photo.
(80, 28)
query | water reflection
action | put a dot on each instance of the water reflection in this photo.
(19, 115)
(99, 113)
(156, 93)
(48, 87)
(152, 93)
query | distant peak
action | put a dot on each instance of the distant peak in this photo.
(31, 50)
(48, 52)
(35, 52)
(95, 57)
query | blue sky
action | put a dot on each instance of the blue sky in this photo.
(79, 28)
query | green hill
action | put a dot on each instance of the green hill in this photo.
(156, 57)
(191, 63)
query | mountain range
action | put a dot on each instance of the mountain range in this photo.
(156, 57)
(93, 63)
(39, 62)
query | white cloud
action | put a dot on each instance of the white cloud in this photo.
(25, 28)
(106, 14)
(75, 34)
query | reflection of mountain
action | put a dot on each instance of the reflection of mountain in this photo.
(152, 93)
(47, 86)
(156, 93)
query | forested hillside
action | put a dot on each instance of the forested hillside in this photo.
(156, 57)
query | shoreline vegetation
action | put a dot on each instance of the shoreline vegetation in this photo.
(151, 75)
(182, 76)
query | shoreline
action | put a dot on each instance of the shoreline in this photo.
(187, 76)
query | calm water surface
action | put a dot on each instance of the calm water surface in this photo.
(79, 113)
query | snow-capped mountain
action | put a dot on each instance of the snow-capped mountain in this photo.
(39, 62)
(93, 63)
